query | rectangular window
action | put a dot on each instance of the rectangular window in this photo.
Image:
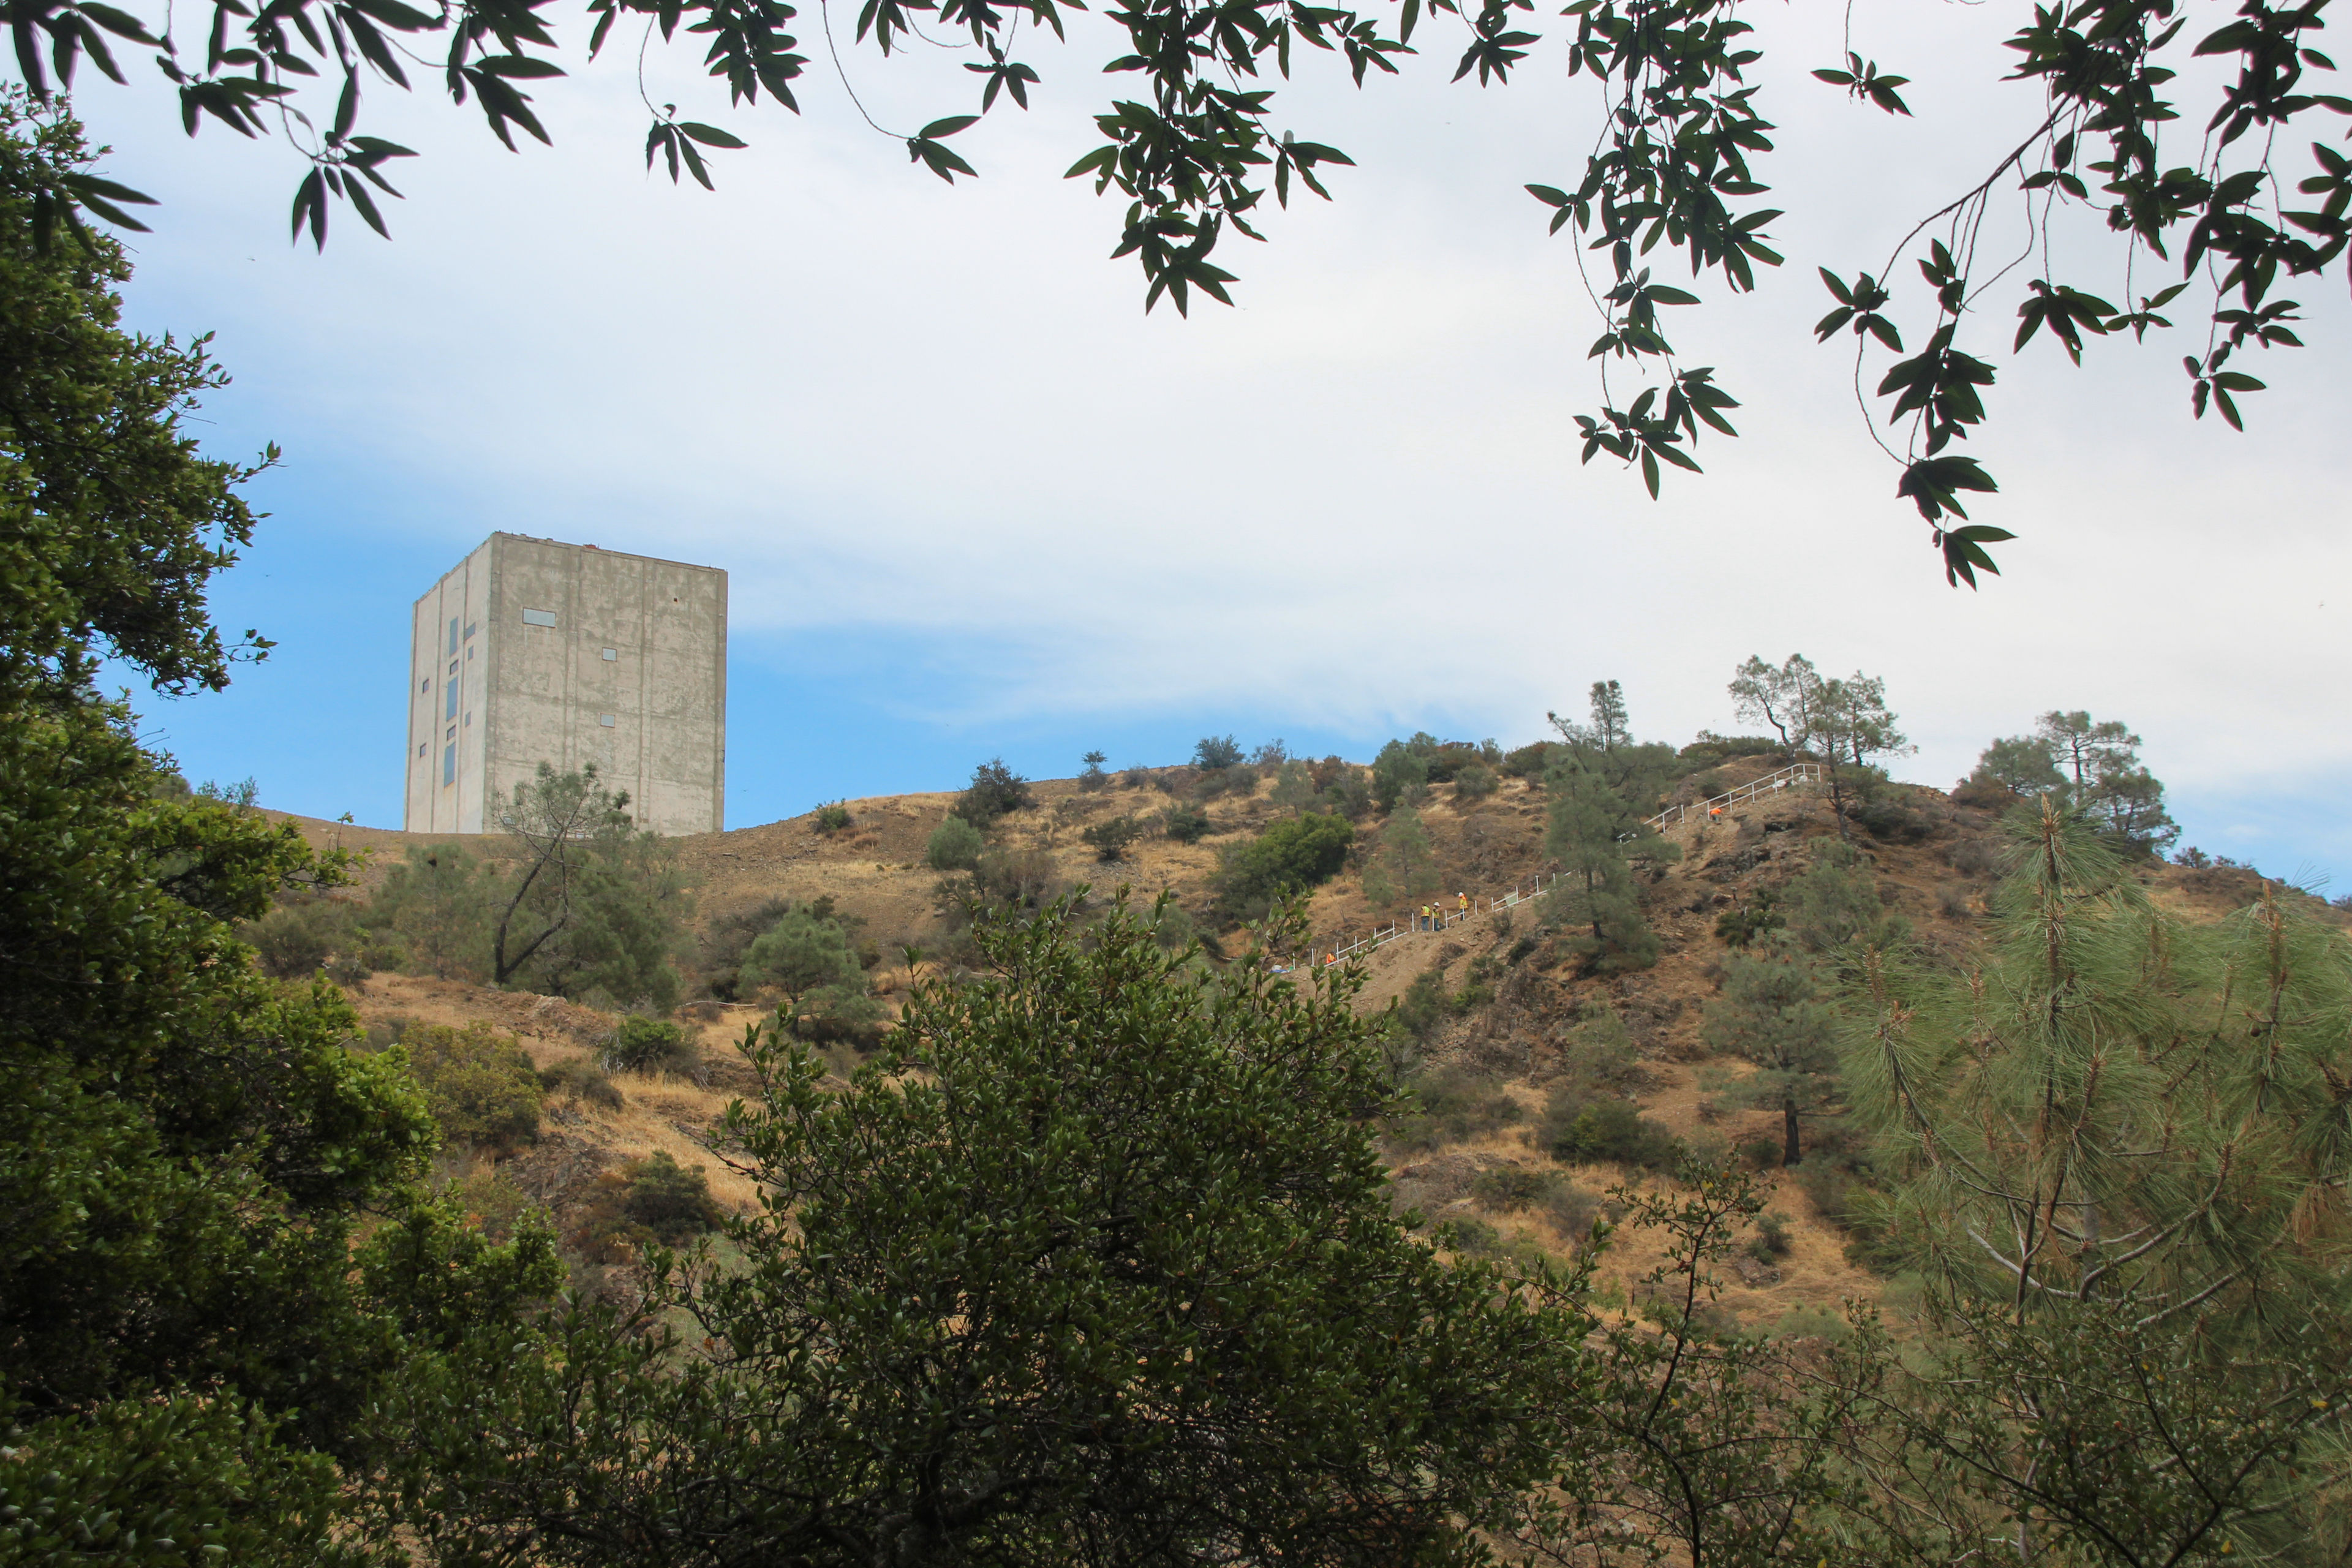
(469, 721)
(420, 747)
(469, 652)
(452, 669)
(453, 639)
(605, 719)
(538, 617)
(451, 693)
(451, 733)
(470, 628)
(448, 765)
(612, 654)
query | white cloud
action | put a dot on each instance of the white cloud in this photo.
(887, 404)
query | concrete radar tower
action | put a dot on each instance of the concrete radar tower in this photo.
(531, 651)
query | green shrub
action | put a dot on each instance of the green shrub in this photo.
(491, 1202)
(1772, 1239)
(832, 817)
(1836, 903)
(995, 791)
(1449, 1107)
(1217, 751)
(1758, 1153)
(1400, 776)
(669, 1200)
(800, 953)
(1287, 857)
(1529, 762)
(1520, 949)
(954, 846)
(1094, 778)
(1506, 1189)
(650, 1046)
(1585, 1132)
(1471, 1235)
(289, 942)
(839, 1015)
(1110, 839)
(479, 1085)
(1476, 782)
(1744, 922)
(1016, 878)
(580, 1079)
(1570, 1207)
(1185, 823)
(1891, 821)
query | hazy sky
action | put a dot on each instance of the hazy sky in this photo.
(973, 501)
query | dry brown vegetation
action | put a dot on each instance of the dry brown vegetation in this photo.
(1511, 1040)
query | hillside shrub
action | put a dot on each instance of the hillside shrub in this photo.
(1506, 1189)
(1214, 753)
(1836, 903)
(1892, 822)
(580, 1079)
(1348, 795)
(1110, 839)
(1476, 782)
(1754, 917)
(1185, 823)
(290, 943)
(995, 791)
(839, 1015)
(1711, 750)
(1580, 1130)
(1400, 776)
(1240, 779)
(1093, 778)
(1135, 778)
(954, 846)
(1025, 878)
(832, 817)
(802, 951)
(669, 1200)
(1529, 762)
(650, 1046)
(1451, 1106)
(478, 1084)
(437, 900)
(1287, 857)
(1772, 1241)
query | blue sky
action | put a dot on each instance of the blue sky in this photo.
(972, 501)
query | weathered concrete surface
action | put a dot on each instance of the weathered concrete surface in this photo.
(530, 650)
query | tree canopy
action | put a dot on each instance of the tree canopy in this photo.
(2212, 226)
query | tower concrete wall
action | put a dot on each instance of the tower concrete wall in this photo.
(530, 650)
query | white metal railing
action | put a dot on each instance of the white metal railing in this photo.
(1794, 776)
(1789, 777)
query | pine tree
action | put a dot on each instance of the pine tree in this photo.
(1770, 1013)
(1610, 724)
(2119, 1144)
(1591, 831)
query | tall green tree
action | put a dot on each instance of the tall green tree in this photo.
(1610, 724)
(591, 902)
(1771, 1013)
(1402, 866)
(1591, 831)
(211, 1231)
(1784, 696)
(1014, 1299)
(2101, 758)
(2117, 1143)
(2022, 765)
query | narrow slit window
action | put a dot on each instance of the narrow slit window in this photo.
(420, 745)
(470, 628)
(451, 705)
(448, 766)
(425, 684)
(453, 639)
(538, 617)
(612, 654)
(606, 720)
